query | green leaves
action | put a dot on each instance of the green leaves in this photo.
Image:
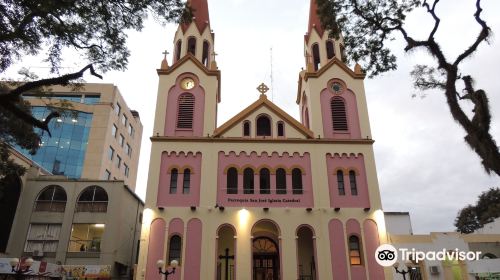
(95, 28)
(486, 210)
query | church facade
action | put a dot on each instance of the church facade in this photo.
(263, 196)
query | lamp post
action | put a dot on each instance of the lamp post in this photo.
(173, 265)
(18, 269)
(409, 267)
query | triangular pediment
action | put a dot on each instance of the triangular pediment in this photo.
(234, 126)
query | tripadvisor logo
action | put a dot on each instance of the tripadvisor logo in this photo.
(387, 255)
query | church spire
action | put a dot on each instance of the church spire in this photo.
(196, 38)
(314, 21)
(200, 15)
(319, 49)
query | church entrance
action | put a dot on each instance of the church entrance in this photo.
(265, 259)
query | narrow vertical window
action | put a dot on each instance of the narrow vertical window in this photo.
(354, 250)
(175, 249)
(306, 118)
(342, 54)
(263, 126)
(330, 50)
(352, 181)
(185, 111)
(281, 129)
(178, 49)
(232, 181)
(296, 181)
(280, 181)
(265, 181)
(246, 128)
(206, 51)
(316, 59)
(173, 180)
(340, 182)
(186, 182)
(248, 179)
(191, 45)
(339, 114)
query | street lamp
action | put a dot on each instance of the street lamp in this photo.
(409, 268)
(17, 269)
(173, 265)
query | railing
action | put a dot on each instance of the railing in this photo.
(85, 245)
(92, 206)
(50, 206)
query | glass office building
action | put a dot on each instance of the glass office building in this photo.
(64, 152)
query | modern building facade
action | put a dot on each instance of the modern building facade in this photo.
(486, 241)
(77, 224)
(98, 137)
(262, 196)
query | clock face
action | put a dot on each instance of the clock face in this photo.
(187, 83)
(337, 87)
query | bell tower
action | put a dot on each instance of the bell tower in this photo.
(331, 96)
(189, 90)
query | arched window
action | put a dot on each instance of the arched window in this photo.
(263, 126)
(178, 49)
(232, 181)
(296, 181)
(248, 185)
(246, 128)
(175, 248)
(191, 47)
(174, 174)
(354, 250)
(265, 181)
(330, 49)
(280, 181)
(281, 129)
(186, 181)
(306, 118)
(185, 111)
(352, 181)
(342, 53)
(339, 114)
(93, 199)
(206, 51)
(51, 199)
(340, 182)
(316, 59)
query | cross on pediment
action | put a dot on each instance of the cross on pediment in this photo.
(262, 88)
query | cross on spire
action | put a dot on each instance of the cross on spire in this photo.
(213, 55)
(262, 88)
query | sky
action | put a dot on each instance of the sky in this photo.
(424, 166)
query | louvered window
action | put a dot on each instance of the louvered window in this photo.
(339, 114)
(186, 111)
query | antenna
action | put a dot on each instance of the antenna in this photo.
(272, 79)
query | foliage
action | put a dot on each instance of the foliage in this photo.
(368, 25)
(93, 29)
(473, 217)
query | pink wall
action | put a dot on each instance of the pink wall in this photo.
(176, 227)
(354, 132)
(347, 163)
(193, 250)
(358, 272)
(371, 243)
(288, 162)
(171, 113)
(155, 248)
(179, 161)
(337, 250)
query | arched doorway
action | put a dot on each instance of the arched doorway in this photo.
(265, 251)
(10, 190)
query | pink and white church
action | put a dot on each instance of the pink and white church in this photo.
(263, 196)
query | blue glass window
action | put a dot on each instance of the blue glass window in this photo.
(64, 152)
